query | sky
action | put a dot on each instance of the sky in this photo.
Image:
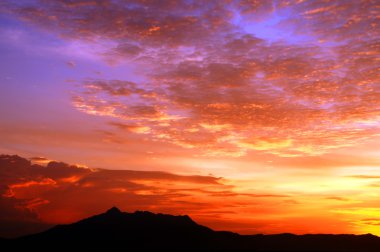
(249, 116)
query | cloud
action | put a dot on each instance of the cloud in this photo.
(337, 198)
(372, 221)
(328, 160)
(173, 23)
(70, 64)
(375, 185)
(365, 176)
(15, 216)
(40, 160)
(214, 83)
(347, 19)
(62, 193)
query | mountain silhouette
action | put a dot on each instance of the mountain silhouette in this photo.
(116, 230)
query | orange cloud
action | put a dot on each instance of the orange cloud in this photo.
(212, 84)
(12, 187)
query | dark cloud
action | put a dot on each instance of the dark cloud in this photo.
(16, 219)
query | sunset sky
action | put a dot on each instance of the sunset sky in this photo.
(250, 116)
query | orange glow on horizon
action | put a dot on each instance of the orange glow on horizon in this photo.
(264, 203)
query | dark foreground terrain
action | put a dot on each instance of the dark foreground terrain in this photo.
(115, 230)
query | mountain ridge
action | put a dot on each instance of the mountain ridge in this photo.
(117, 230)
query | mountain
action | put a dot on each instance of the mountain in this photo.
(116, 230)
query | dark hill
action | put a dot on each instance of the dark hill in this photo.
(116, 230)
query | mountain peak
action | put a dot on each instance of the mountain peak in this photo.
(114, 210)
